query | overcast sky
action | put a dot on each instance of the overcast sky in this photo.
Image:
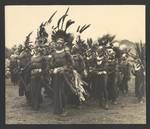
(126, 21)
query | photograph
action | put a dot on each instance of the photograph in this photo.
(75, 64)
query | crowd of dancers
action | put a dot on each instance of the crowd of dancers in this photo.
(71, 70)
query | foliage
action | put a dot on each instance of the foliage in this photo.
(106, 39)
(140, 51)
(7, 52)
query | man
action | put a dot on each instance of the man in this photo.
(138, 72)
(125, 73)
(112, 71)
(101, 78)
(14, 68)
(24, 58)
(67, 82)
(79, 61)
(61, 60)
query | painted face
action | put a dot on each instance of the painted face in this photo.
(110, 52)
(59, 43)
(124, 56)
(100, 51)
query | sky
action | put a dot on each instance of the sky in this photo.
(124, 21)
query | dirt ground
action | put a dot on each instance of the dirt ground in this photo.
(128, 111)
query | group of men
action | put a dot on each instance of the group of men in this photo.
(73, 73)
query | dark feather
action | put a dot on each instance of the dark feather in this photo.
(90, 42)
(90, 39)
(69, 23)
(85, 28)
(82, 28)
(58, 23)
(106, 39)
(45, 23)
(52, 27)
(78, 28)
(112, 38)
(67, 10)
(50, 19)
(55, 28)
(63, 19)
(30, 34)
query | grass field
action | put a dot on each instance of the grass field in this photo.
(128, 111)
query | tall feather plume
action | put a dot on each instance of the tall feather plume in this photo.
(84, 28)
(106, 39)
(44, 24)
(63, 19)
(112, 38)
(50, 19)
(69, 23)
(90, 42)
(78, 28)
(29, 34)
(58, 23)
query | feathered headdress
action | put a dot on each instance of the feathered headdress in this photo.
(80, 30)
(27, 41)
(60, 31)
(49, 20)
(90, 42)
(27, 46)
(82, 46)
(106, 39)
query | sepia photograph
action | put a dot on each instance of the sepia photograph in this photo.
(75, 64)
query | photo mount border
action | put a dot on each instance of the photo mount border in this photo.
(77, 2)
